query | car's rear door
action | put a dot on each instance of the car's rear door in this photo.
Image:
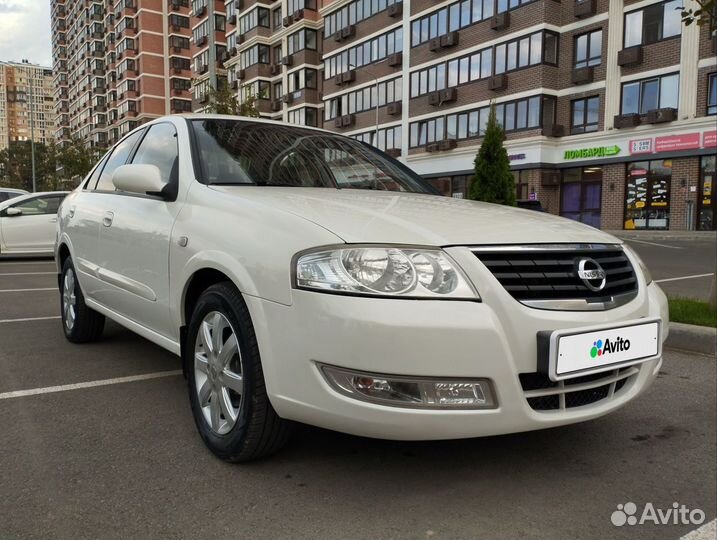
(32, 230)
(135, 236)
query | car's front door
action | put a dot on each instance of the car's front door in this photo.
(86, 210)
(29, 225)
(134, 239)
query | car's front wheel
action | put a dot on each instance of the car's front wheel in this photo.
(80, 323)
(226, 383)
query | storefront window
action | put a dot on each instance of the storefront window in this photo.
(706, 200)
(647, 196)
(581, 195)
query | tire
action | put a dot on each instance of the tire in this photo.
(80, 323)
(226, 384)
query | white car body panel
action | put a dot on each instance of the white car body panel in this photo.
(27, 234)
(138, 270)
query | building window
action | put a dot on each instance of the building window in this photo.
(303, 39)
(365, 99)
(458, 15)
(388, 138)
(640, 97)
(220, 23)
(712, 93)
(653, 23)
(256, 17)
(306, 116)
(588, 49)
(540, 47)
(647, 194)
(178, 21)
(520, 178)
(527, 113)
(585, 114)
(258, 54)
(353, 13)
(277, 22)
(368, 52)
(295, 5)
(302, 78)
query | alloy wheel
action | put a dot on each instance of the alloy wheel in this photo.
(218, 373)
(69, 300)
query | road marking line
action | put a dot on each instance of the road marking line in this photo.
(28, 273)
(30, 319)
(653, 243)
(89, 384)
(703, 533)
(28, 290)
(683, 277)
(25, 263)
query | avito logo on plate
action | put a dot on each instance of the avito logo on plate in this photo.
(618, 344)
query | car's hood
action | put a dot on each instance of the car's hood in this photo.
(405, 218)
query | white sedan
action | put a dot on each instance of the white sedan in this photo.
(305, 276)
(28, 224)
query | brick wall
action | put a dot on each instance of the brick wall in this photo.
(684, 171)
(657, 55)
(612, 206)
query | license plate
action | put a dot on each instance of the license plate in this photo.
(565, 354)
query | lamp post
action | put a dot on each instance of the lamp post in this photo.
(32, 136)
(375, 78)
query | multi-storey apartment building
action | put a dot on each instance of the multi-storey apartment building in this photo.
(119, 63)
(608, 105)
(26, 103)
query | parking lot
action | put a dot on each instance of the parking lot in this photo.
(121, 458)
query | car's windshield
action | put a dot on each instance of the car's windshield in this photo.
(256, 153)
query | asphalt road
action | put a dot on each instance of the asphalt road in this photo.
(670, 259)
(124, 460)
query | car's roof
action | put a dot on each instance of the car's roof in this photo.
(203, 116)
(30, 196)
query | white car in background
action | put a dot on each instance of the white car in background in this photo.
(10, 193)
(28, 224)
(306, 276)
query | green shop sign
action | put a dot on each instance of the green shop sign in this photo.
(598, 151)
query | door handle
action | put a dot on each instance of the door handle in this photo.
(107, 220)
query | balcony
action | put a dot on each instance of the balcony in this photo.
(584, 8)
(630, 56)
(623, 121)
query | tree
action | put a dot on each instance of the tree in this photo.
(16, 166)
(705, 14)
(224, 101)
(75, 159)
(493, 181)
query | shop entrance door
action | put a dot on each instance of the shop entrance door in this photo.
(581, 195)
(706, 195)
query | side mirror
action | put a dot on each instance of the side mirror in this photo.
(13, 212)
(136, 178)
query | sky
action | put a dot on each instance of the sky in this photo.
(25, 31)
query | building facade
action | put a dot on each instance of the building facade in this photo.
(26, 103)
(608, 105)
(118, 64)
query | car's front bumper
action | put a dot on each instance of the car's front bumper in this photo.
(493, 339)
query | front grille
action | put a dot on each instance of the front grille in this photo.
(543, 394)
(536, 273)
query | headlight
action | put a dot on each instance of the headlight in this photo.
(641, 264)
(384, 271)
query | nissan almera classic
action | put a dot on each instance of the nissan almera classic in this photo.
(305, 276)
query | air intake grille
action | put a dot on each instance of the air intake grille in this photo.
(551, 273)
(543, 394)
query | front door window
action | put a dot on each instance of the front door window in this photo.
(647, 200)
(581, 195)
(706, 196)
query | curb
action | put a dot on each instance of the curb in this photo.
(689, 337)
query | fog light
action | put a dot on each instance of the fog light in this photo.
(402, 391)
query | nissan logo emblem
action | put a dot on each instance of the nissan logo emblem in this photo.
(591, 274)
